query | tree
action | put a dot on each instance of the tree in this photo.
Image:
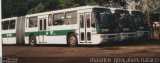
(12, 8)
(142, 5)
(51, 5)
(67, 4)
(39, 8)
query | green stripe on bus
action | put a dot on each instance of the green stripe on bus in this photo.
(9, 35)
(39, 33)
(50, 33)
(98, 29)
(59, 32)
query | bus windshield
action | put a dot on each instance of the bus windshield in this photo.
(125, 21)
(104, 19)
(139, 20)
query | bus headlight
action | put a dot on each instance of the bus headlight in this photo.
(124, 34)
(103, 36)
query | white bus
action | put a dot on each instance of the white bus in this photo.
(86, 25)
(127, 28)
(141, 23)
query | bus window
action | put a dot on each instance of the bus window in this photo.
(93, 22)
(33, 22)
(55, 23)
(40, 25)
(12, 24)
(58, 19)
(71, 17)
(2, 24)
(50, 20)
(81, 21)
(5, 25)
(82, 36)
(88, 35)
(44, 24)
(88, 20)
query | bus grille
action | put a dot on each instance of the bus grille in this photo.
(111, 36)
(131, 35)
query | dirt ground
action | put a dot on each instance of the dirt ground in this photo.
(63, 54)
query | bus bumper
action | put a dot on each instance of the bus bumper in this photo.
(109, 38)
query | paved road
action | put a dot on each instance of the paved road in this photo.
(123, 50)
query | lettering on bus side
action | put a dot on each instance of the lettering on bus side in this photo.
(52, 33)
(105, 30)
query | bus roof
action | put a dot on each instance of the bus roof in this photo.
(113, 9)
(12, 18)
(58, 11)
(65, 10)
(130, 10)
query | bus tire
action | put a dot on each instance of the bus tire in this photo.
(72, 40)
(32, 40)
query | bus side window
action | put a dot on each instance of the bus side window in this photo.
(12, 24)
(55, 23)
(50, 20)
(71, 17)
(5, 25)
(88, 20)
(81, 21)
(26, 22)
(2, 25)
(33, 22)
(93, 22)
(58, 19)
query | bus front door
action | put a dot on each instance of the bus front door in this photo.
(85, 28)
(42, 29)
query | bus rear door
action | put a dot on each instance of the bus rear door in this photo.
(42, 29)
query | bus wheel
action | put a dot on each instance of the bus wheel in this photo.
(72, 40)
(32, 40)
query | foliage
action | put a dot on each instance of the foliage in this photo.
(12, 8)
(144, 5)
(37, 9)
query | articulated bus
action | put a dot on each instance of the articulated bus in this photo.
(141, 23)
(127, 28)
(86, 25)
